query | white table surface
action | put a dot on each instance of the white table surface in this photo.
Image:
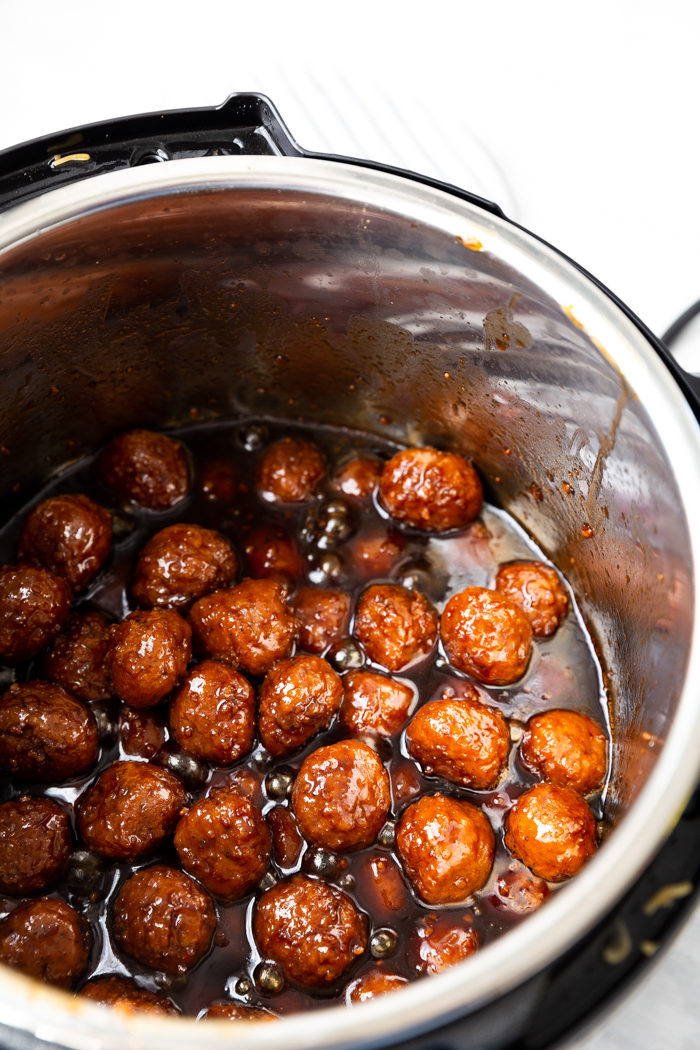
(580, 119)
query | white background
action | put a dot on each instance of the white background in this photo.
(589, 110)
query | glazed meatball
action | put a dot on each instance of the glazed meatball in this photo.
(518, 891)
(35, 845)
(34, 605)
(213, 714)
(289, 471)
(217, 481)
(70, 536)
(237, 1012)
(141, 733)
(180, 564)
(323, 617)
(372, 984)
(145, 468)
(431, 490)
(130, 810)
(45, 733)
(341, 796)
(314, 932)
(224, 842)
(462, 740)
(374, 704)
(77, 660)
(272, 554)
(287, 842)
(551, 830)
(123, 993)
(441, 943)
(376, 551)
(394, 625)
(567, 748)
(446, 847)
(249, 625)
(358, 477)
(538, 591)
(46, 939)
(148, 655)
(163, 919)
(486, 636)
(298, 698)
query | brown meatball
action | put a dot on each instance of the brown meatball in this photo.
(341, 796)
(298, 698)
(374, 704)
(565, 747)
(141, 733)
(462, 740)
(323, 617)
(34, 605)
(148, 655)
(70, 536)
(375, 552)
(217, 481)
(372, 984)
(213, 714)
(130, 810)
(45, 733)
(46, 939)
(486, 636)
(180, 564)
(237, 1012)
(289, 471)
(442, 943)
(163, 919)
(446, 847)
(431, 490)
(272, 554)
(313, 931)
(224, 842)
(358, 477)
(538, 591)
(77, 660)
(35, 845)
(249, 625)
(551, 830)
(395, 625)
(519, 891)
(287, 842)
(123, 993)
(146, 468)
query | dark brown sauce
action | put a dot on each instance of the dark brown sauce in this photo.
(563, 672)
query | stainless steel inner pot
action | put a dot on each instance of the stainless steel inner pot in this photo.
(220, 287)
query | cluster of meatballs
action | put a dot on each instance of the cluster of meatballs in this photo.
(239, 663)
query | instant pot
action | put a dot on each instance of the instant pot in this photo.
(200, 265)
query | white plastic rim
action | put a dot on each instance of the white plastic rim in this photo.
(58, 1018)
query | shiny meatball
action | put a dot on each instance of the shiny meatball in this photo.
(341, 796)
(298, 698)
(375, 552)
(163, 919)
(518, 891)
(462, 740)
(217, 482)
(486, 636)
(442, 943)
(146, 468)
(130, 810)
(323, 617)
(431, 490)
(446, 847)
(148, 655)
(213, 714)
(46, 939)
(77, 660)
(372, 984)
(123, 993)
(394, 625)
(358, 477)
(374, 704)
(272, 554)
(538, 591)
(45, 733)
(314, 932)
(34, 605)
(289, 471)
(566, 748)
(237, 1012)
(223, 841)
(141, 733)
(35, 844)
(287, 842)
(249, 625)
(551, 830)
(180, 564)
(70, 536)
